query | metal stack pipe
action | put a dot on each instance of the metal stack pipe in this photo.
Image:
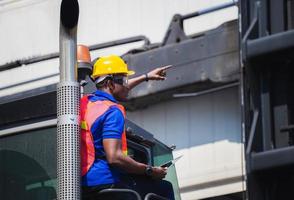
(68, 106)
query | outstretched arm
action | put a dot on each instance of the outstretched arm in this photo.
(156, 74)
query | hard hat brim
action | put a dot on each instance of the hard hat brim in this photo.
(131, 73)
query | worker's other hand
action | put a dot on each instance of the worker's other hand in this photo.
(158, 73)
(159, 172)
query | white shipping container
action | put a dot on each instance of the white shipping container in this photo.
(206, 130)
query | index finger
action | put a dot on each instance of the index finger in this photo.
(166, 67)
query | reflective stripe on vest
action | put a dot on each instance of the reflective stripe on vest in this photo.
(90, 111)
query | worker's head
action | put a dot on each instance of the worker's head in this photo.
(110, 74)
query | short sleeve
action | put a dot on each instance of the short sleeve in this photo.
(113, 125)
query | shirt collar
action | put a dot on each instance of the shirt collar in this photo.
(100, 95)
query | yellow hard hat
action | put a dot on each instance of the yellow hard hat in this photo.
(111, 64)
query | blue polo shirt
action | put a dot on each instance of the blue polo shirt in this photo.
(108, 125)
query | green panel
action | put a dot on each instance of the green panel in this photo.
(162, 154)
(28, 165)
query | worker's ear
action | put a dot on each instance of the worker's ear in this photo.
(111, 85)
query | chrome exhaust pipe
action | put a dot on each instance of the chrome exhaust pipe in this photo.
(68, 106)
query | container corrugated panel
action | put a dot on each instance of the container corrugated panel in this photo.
(207, 131)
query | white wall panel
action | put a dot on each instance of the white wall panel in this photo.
(207, 131)
(31, 27)
(28, 28)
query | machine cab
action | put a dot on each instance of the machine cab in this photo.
(28, 143)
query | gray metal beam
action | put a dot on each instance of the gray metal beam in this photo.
(272, 159)
(269, 44)
(212, 57)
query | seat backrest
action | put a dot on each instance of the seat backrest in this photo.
(118, 194)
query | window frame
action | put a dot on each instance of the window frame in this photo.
(28, 127)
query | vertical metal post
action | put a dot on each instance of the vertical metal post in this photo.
(277, 16)
(290, 14)
(263, 19)
(68, 95)
(266, 111)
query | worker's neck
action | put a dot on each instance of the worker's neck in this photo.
(106, 90)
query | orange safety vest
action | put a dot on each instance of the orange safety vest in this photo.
(90, 111)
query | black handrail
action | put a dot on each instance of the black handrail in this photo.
(209, 10)
(176, 25)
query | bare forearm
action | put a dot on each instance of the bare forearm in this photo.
(136, 81)
(156, 74)
(128, 164)
(116, 158)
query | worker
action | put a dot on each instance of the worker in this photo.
(104, 149)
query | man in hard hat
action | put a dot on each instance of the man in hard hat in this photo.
(104, 145)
